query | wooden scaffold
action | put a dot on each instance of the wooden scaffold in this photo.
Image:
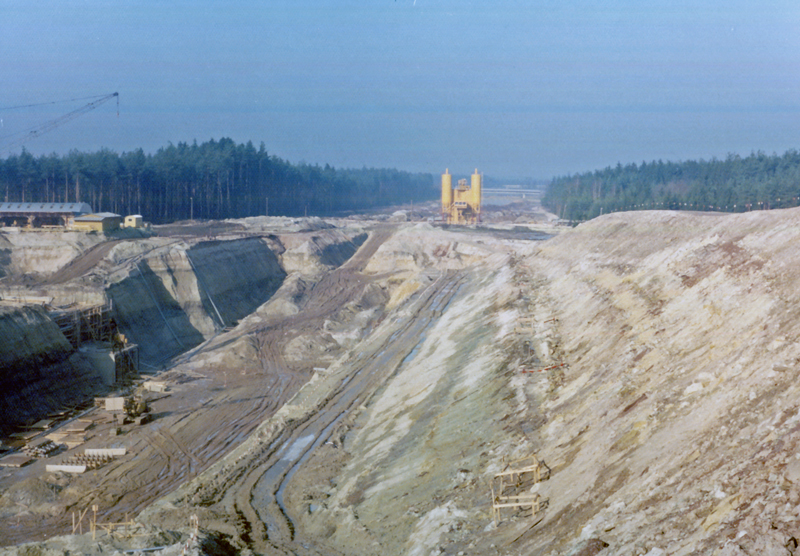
(511, 487)
(88, 324)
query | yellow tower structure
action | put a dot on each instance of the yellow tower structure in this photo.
(447, 191)
(461, 205)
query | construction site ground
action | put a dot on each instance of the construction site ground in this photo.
(646, 362)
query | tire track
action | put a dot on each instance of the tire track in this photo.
(264, 521)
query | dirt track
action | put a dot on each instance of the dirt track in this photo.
(82, 264)
(266, 524)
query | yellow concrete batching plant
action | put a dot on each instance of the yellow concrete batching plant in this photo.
(461, 205)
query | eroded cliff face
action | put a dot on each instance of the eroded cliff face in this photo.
(34, 365)
(176, 297)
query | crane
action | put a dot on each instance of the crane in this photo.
(33, 133)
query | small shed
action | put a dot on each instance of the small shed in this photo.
(99, 222)
(134, 221)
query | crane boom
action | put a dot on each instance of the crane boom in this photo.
(61, 120)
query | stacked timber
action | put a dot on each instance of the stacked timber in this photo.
(41, 448)
(89, 461)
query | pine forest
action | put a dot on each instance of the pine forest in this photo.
(213, 180)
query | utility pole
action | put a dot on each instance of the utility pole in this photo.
(266, 206)
(191, 208)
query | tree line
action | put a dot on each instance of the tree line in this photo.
(735, 184)
(211, 180)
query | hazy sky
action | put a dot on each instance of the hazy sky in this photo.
(512, 87)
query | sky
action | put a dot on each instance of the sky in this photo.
(515, 88)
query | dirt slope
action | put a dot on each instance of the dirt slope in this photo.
(676, 428)
(673, 430)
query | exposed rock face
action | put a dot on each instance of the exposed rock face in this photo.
(34, 366)
(176, 298)
(41, 253)
(235, 278)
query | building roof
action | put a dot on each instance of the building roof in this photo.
(45, 208)
(98, 217)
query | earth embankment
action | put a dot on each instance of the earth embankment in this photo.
(176, 297)
(34, 365)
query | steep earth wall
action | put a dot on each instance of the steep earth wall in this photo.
(34, 366)
(175, 296)
(675, 428)
(40, 253)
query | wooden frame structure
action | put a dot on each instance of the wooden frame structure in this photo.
(129, 527)
(81, 325)
(509, 487)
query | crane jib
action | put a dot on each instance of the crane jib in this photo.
(61, 120)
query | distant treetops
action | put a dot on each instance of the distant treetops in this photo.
(215, 179)
(732, 185)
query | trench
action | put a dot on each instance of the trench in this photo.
(298, 444)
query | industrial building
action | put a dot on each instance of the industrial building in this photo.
(461, 205)
(41, 215)
(100, 222)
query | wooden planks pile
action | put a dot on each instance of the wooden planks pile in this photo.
(90, 459)
(41, 448)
